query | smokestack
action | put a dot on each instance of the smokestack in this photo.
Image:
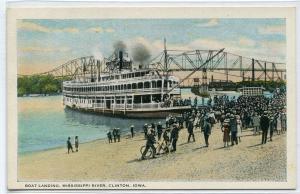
(121, 60)
(98, 70)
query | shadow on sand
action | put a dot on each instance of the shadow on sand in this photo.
(255, 145)
(195, 149)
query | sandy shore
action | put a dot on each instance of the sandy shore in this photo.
(100, 161)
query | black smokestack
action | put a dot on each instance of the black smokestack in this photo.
(141, 54)
(120, 60)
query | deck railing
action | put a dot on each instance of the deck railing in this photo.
(152, 90)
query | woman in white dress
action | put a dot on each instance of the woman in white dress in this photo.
(278, 127)
(239, 127)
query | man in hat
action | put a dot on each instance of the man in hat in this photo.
(115, 134)
(159, 130)
(255, 120)
(207, 130)
(174, 136)
(264, 125)
(109, 136)
(150, 143)
(145, 128)
(190, 128)
(233, 130)
(132, 130)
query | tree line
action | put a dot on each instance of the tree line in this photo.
(39, 84)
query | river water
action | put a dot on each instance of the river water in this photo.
(43, 123)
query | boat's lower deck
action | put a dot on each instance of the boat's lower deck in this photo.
(136, 113)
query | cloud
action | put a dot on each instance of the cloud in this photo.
(210, 23)
(95, 29)
(278, 29)
(109, 30)
(69, 30)
(43, 49)
(243, 41)
(99, 29)
(30, 26)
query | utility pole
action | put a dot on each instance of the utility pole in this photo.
(166, 56)
(253, 71)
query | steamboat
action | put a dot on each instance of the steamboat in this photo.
(126, 91)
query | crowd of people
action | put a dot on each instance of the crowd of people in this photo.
(231, 115)
(263, 115)
(114, 135)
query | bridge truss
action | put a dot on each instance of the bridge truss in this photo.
(227, 64)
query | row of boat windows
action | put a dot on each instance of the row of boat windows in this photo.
(140, 85)
(119, 100)
(126, 76)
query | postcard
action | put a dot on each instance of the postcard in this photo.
(151, 97)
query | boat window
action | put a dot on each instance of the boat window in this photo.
(136, 74)
(142, 74)
(153, 84)
(123, 87)
(128, 86)
(159, 83)
(134, 86)
(147, 84)
(146, 99)
(137, 99)
(140, 85)
(156, 98)
(165, 84)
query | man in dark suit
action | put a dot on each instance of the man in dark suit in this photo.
(174, 137)
(150, 144)
(264, 125)
(115, 134)
(207, 130)
(190, 128)
(159, 130)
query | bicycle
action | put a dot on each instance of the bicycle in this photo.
(164, 146)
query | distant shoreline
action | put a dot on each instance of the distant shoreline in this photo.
(41, 95)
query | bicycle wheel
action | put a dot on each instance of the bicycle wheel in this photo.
(149, 152)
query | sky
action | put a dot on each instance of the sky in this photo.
(45, 44)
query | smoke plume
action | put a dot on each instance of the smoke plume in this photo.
(140, 53)
(119, 46)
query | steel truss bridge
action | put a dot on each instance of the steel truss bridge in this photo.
(229, 65)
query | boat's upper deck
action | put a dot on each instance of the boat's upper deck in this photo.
(122, 77)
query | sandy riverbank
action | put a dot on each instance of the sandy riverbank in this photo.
(100, 161)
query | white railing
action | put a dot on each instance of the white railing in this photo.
(176, 90)
(91, 84)
(148, 105)
(98, 105)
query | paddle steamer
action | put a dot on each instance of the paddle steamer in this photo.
(125, 91)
